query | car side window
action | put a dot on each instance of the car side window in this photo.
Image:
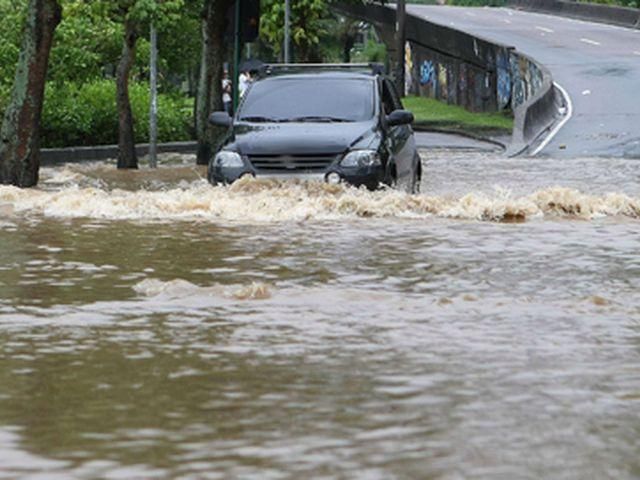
(392, 95)
(387, 98)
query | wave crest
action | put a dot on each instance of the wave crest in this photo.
(251, 200)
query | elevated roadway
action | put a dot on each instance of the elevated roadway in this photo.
(597, 65)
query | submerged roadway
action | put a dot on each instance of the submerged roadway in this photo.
(597, 65)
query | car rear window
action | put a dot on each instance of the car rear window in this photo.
(283, 99)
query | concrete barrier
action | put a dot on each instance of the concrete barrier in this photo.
(614, 15)
(55, 156)
(538, 111)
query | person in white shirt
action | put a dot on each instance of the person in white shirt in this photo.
(243, 82)
(227, 99)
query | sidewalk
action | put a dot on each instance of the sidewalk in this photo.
(424, 140)
(451, 141)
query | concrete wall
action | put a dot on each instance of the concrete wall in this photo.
(54, 156)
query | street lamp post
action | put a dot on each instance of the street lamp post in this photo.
(287, 27)
(236, 54)
(153, 113)
(401, 36)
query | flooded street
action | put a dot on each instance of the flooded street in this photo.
(153, 326)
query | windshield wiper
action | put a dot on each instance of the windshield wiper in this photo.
(257, 118)
(318, 118)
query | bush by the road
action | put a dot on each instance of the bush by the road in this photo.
(86, 114)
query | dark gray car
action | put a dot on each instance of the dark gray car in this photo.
(334, 123)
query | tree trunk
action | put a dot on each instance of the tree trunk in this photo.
(20, 132)
(209, 93)
(348, 43)
(127, 157)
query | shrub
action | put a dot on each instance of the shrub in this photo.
(375, 52)
(5, 92)
(86, 114)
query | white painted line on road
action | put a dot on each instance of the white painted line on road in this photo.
(590, 42)
(506, 21)
(545, 29)
(636, 53)
(553, 132)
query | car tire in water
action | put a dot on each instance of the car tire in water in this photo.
(210, 178)
(416, 178)
(391, 178)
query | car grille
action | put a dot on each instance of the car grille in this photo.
(292, 163)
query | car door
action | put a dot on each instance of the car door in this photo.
(401, 142)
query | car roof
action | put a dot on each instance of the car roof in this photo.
(318, 74)
(330, 70)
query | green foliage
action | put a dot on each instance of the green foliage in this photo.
(86, 114)
(85, 44)
(307, 25)
(375, 52)
(12, 15)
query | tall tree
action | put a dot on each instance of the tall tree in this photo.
(209, 95)
(136, 16)
(127, 157)
(20, 131)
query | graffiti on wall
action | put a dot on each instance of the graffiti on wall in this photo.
(427, 72)
(503, 74)
(443, 92)
(458, 82)
(519, 78)
(408, 68)
(452, 94)
(462, 78)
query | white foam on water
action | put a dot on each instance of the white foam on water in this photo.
(179, 288)
(258, 200)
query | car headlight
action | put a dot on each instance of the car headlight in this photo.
(228, 159)
(361, 158)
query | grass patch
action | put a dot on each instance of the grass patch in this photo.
(439, 115)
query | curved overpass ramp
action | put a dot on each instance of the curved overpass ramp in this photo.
(597, 65)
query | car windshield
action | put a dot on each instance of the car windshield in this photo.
(309, 99)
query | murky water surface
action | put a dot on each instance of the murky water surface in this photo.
(152, 326)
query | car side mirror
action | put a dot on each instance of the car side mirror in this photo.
(399, 117)
(220, 119)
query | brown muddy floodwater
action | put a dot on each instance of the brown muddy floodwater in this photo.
(152, 326)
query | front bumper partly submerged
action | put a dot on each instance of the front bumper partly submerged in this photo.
(370, 176)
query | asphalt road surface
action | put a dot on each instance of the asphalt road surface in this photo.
(598, 66)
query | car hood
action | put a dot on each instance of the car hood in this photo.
(300, 138)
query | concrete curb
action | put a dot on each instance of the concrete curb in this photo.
(469, 135)
(613, 15)
(56, 156)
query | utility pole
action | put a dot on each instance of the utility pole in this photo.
(401, 37)
(236, 55)
(153, 113)
(287, 28)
